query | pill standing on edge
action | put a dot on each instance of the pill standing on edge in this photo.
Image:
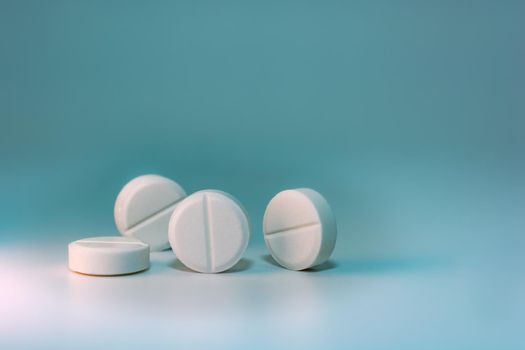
(108, 256)
(299, 228)
(143, 209)
(209, 231)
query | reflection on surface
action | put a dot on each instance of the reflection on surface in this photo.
(349, 301)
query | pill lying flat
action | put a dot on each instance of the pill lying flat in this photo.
(209, 231)
(106, 256)
(143, 209)
(299, 228)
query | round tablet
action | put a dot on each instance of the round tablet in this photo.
(299, 228)
(209, 231)
(106, 256)
(143, 209)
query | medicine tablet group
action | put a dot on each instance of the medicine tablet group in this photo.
(208, 231)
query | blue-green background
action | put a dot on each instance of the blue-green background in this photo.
(409, 116)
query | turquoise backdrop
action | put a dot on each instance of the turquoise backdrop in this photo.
(409, 116)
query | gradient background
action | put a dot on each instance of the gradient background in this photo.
(407, 115)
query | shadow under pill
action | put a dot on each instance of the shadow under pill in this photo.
(327, 265)
(106, 276)
(242, 265)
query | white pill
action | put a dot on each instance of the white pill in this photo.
(209, 231)
(299, 228)
(143, 209)
(106, 256)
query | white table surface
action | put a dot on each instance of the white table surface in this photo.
(363, 303)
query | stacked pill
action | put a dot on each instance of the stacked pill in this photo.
(208, 231)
